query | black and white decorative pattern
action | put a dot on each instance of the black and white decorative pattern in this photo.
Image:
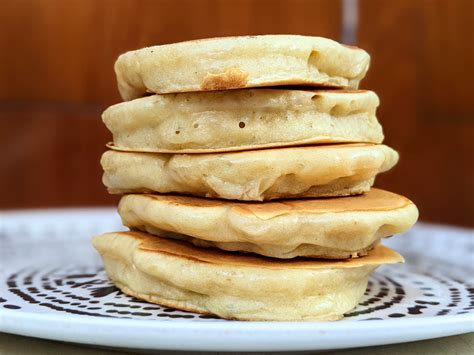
(86, 291)
(50, 267)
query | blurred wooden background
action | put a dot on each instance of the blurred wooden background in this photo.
(56, 77)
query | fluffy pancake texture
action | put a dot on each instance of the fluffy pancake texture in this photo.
(323, 228)
(243, 119)
(313, 171)
(234, 286)
(240, 62)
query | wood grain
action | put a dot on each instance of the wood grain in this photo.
(52, 156)
(422, 69)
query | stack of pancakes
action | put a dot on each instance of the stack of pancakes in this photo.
(246, 165)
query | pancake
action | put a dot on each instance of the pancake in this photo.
(243, 119)
(323, 228)
(240, 62)
(312, 171)
(234, 286)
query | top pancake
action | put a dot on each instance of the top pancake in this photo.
(240, 62)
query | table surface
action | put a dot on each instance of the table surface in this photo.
(454, 345)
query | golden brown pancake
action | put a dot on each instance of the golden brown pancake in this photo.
(321, 228)
(240, 62)
(234, 286)
(233, 120)
(314, 171)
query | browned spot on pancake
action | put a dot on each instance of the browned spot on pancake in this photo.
(180, 200)
(375, 200)
(186, 251)
(232, 78)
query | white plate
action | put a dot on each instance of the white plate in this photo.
(53, 287)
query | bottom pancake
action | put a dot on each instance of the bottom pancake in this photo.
(232, 285)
